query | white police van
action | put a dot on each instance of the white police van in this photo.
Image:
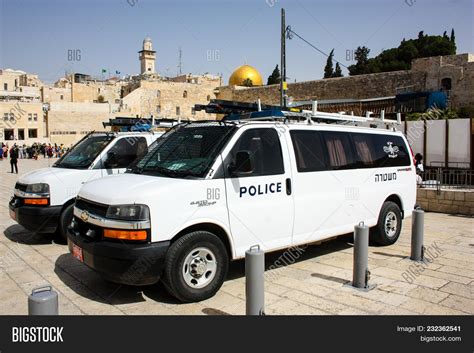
(43, 199)
(208, 191)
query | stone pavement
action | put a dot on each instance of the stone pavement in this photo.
(311, 284)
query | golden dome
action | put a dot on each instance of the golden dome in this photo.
(243, 73)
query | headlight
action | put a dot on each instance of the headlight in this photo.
(129, 212)
(40, 188)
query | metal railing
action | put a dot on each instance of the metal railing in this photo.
(447, 178)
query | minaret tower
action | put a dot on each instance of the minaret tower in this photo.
(147, 57)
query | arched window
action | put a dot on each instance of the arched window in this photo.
(208, 97)
(446, 84)
(185, 94)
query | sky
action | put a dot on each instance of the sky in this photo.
(215, 36)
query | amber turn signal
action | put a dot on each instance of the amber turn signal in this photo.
(42, 202)
(125, 234)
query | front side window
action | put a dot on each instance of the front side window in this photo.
(187, 150)
(264, 149)
(124, 152)
(84, 152)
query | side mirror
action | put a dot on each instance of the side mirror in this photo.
(242, 164)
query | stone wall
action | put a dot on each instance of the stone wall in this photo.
(426, 74)
(355, 87)
(69, 122)
(446, 201)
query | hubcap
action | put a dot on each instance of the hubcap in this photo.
(391, 224)
(199, 267)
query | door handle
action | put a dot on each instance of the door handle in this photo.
(288, 186)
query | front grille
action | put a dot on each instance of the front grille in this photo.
(87, 230)
(21, 187)
(92, 207)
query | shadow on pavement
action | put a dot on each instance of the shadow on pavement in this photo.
(89, 284)
(21, 235)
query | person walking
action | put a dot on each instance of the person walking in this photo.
(14, 158)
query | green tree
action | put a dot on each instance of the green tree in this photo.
(329, 69)
(453, 37)
(275, 77)
(247, 83)
(337, 71)
(361, 56)
(400, 58)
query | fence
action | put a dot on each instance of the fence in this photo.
(447, 178)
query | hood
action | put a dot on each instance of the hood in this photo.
(129, 188)
(47, 175)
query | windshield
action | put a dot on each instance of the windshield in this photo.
(185, 151)
(84, 153)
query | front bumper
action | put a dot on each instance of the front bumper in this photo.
(120, 262)
(38, 219)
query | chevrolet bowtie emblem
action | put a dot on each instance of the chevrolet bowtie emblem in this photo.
(84, 216)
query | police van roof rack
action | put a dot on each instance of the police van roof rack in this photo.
(315, 116)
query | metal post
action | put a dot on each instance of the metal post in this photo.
(43, 301)
(360, 276)
(283, 61)
(417, 227)
(254, 281)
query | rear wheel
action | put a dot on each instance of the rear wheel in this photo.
(195, 266)
(389, 225)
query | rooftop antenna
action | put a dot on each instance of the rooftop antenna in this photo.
(180, 55)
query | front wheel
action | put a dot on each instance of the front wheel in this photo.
(195, 266)
(389, 225)
(65, 220)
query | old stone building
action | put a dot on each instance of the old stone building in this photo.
(21, 108)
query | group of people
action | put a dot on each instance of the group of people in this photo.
(16, 152)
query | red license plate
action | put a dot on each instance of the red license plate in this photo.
(13, 215)
(77, 252)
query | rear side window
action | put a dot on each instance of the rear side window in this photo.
(339, 150)
(265, 151)
(378, 151)
(309, 150)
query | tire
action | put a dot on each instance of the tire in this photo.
(195, 267)
(389, 225)
(65, 220)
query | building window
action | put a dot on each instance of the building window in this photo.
(30, 117)
(158, 109)
(61, 97)
(5, 116)
(32, 133)
(21, 134)
(35, 117)
(9, 134)
(178, 111)
(12, 117)
(193, 111)
(158, 93)
(5, 86)
(446, 84)
(149, 69)
(185, 94)
(208, 97)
